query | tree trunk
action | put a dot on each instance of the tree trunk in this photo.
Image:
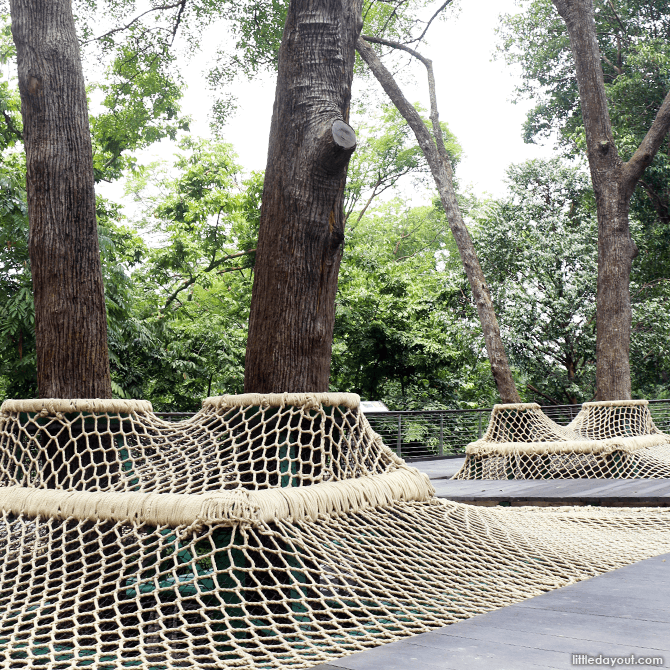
(613, 183)
(441, 169)
(302, 219)
(70, 317)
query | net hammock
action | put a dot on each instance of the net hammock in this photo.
(265, 532)
(606, 439)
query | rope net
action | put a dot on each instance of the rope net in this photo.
(605, 440)
(317, 542)
(244, 441)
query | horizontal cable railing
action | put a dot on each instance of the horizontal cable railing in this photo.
(430, 434)
(420, 435)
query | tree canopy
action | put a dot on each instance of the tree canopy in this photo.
(178, 253)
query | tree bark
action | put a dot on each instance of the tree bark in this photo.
(613, 183)
(302, 220)
(438, 160)
(70, 316)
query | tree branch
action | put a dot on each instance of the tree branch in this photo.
(651, 284)
(432, 18)
(617, 69)
(544, 395)
(370, 199)
(241, 253)
(442, 173)
(395, 45)
(418, 251)
(434, 115)
(616, 16)
(178, 20)
(137, 18)
(650, 144)
(11, 127)
(212, 266)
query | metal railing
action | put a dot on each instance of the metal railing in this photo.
(420, 435)
(429, 434)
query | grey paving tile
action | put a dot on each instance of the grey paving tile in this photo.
(451, 653)
(581, 487)
(549, 489)
(605, 605)
(440, 468)
(622, 488)
(656, 569)
(565, 490)
(658, 487)
(505, 487)
(641, 590)
(464, 485)
(522, 488)
(555, 486)
(621, 613)
(476, 488)
(588, 628)
(633, 489)
(532, 639)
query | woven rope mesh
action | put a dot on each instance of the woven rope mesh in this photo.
(112, 556)
(247, 441)
(605, 440)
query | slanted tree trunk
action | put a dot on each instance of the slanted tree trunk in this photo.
(70, 317)
(302, 219)
(438, 160)
(613, 182)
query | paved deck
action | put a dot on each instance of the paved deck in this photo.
(439, 468)
(604, 492)
(623, 612)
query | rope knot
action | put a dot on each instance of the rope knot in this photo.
(233, 507)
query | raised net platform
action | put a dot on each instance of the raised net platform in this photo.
(610, 439)
(246, 441)
(317, 543)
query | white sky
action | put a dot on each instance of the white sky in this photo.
(474, 97)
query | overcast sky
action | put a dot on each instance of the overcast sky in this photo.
(474, 96)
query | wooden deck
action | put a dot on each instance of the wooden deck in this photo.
(621, 613)
(603, 492)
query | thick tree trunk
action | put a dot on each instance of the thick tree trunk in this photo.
(442, 173)
(70, 317)
(613, 183)
(302, 219)
(616, 251)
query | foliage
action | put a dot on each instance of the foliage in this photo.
(141, 102)
(386, 154)
(192, 291)
(538, 248)
(633, 37)
(405, 330)
(650, 339)
(538, 251)
(10, 104)
(256, 28)
(205, 218)
(17, 313)
(120, 248)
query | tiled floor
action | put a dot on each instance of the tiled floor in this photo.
(622, 613)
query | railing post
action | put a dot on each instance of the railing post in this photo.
(399, 447)
(479, 432)
(441, 453)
